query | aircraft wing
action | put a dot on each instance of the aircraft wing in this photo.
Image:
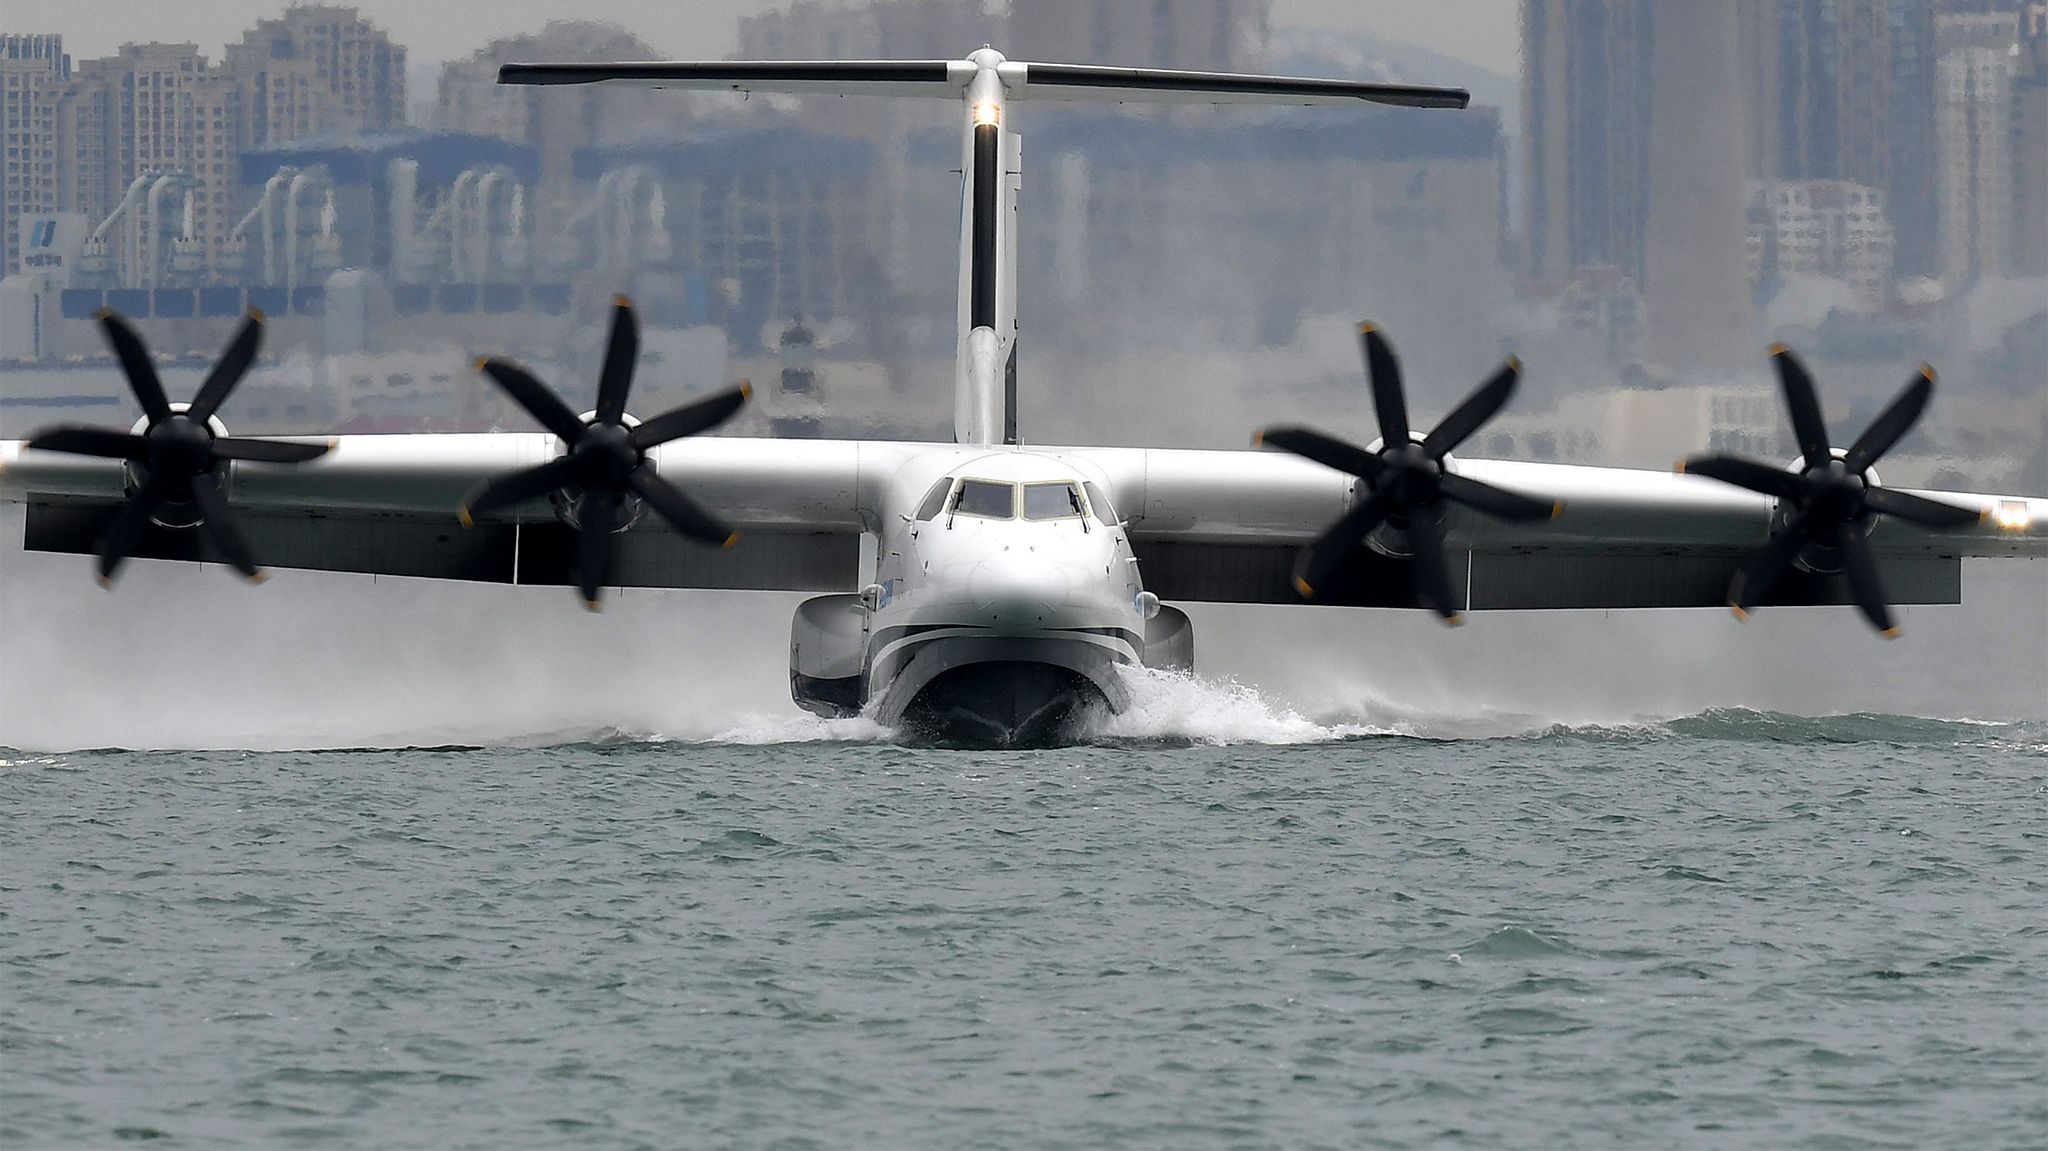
(386, 504)
(1227, 526)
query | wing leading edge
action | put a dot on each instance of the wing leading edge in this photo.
(386, 505)
(1227, 526)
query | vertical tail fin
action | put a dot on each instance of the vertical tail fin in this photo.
(985, 367)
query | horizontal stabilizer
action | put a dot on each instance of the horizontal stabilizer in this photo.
(1166, 85)
(824, 77)
(1072, 82)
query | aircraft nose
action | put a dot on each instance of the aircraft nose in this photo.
(1018, 591)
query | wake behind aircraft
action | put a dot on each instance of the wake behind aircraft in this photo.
(988, 591)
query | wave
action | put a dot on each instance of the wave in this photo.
(1179, 709)
(1748, 725)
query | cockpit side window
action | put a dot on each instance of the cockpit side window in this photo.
(986, 498)
(1060, 501)
(934, 504)
(1099, 504)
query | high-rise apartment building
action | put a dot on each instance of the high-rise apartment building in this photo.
(317, 70)
(82, 115)
(883, 29)
(168, 114)
(1633, 146)
(1212, 35)
(1833, 229)
(1844, 90)
(1976, 90)
(2030, 184)
(33, 68)
(1586, 109)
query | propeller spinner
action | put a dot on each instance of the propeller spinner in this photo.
(177, 455)
(1407, 478)
(606, 459)
(1832, 498)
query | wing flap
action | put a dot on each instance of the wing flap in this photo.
(1218, 572)
(507, 553)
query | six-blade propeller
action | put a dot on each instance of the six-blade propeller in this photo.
(1407, 480)
(177, 456)
(605, 463)
(1830, 501)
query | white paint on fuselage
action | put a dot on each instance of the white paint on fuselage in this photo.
(1071, 578)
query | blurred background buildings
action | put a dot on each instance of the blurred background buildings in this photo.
(1662, 190)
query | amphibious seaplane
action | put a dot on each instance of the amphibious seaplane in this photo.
(990, 590)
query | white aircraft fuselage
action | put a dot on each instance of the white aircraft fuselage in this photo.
(1005, 597)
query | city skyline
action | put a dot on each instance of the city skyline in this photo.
(316, 149)
(1479, 32)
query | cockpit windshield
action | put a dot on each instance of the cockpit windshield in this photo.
(985, 498)
(1059, 501)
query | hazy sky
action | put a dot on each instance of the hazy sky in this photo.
(1481, 31)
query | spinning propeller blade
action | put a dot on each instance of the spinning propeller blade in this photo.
(1407, 481)
(605, 461)
(177, 458)
(1832, 501)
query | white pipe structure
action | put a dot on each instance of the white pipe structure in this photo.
(128, 200)
(188, 255)
(291, 225)
(153, 226)
(480, 257)
(593, 210)
(265, 207)
(403, 178)
(658, 245)
(516, 255)
(624, 193)
(436, 223)
(455, 221)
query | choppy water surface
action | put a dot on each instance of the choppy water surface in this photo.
(1732, 930)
